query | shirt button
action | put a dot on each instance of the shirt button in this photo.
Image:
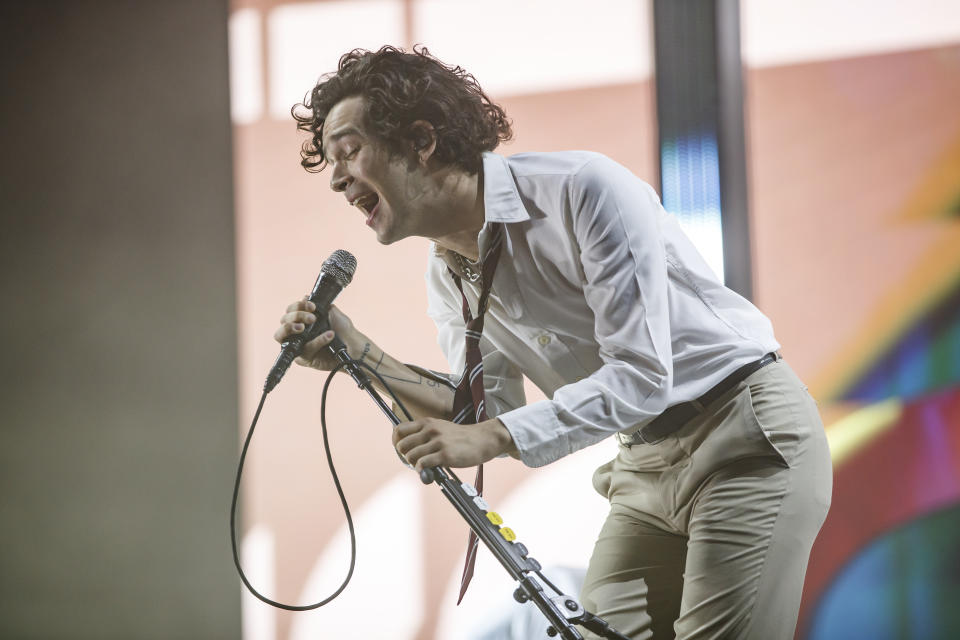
(544, 340)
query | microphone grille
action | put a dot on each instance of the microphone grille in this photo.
(341, 265)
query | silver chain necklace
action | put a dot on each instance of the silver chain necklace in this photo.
(470, 271)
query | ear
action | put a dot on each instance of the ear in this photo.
(423, 140)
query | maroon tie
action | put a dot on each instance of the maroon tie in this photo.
(468, 401)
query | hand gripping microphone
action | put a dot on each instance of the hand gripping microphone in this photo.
(336, 273)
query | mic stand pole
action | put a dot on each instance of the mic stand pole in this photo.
(562, 611)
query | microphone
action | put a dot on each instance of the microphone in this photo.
(336, 273)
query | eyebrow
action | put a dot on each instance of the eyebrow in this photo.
(337, 135)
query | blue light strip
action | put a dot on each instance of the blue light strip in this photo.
(690, 173)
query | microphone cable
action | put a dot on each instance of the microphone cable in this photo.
(336, 482)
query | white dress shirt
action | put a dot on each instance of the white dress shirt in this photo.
(599, 299)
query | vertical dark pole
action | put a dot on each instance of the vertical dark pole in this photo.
(700, 121)
(735, 213)
(118, 402)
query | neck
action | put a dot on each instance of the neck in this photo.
(464, 215)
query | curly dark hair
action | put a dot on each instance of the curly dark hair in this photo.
(400, 88)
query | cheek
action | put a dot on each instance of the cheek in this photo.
(386, 213)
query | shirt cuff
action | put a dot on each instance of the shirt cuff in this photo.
(537, 433)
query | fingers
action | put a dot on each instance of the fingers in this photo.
(310, 349)
(301, 316)
(289, 327)
(407, 436)
(422, 442)
(302, 305)
(405, 430)
(418, 444)
(429, 454)
(297, 318)
(432, 459)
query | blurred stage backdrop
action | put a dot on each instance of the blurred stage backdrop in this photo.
(139, 223)
(853, 160)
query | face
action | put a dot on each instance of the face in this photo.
(386, 190)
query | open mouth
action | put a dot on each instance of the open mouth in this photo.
(368, 203)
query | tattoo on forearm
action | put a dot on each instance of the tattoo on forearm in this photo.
(417, 380)
(367, 347)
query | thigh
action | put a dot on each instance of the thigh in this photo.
(731, 535)
(635, 578)
(752, 525)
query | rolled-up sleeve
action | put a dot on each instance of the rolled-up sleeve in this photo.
(616, 221)
(502, 379)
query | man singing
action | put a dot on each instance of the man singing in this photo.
(564, 268)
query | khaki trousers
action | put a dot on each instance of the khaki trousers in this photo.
(709, 531)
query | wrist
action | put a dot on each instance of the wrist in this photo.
(500, 436)
(361, 350)
(359, 347)
(366, 351)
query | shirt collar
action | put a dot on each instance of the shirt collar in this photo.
(501, 201)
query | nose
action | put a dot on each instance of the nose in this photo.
(339, 180)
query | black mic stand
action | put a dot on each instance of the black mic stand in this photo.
(562, 611)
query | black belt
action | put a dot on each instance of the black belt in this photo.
(680, 414)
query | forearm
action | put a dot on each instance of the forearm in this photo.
(422, 396)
